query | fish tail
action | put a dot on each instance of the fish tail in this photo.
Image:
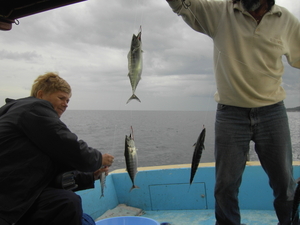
(133, 187)
(192, 178)
(191, 181)
(133, 96)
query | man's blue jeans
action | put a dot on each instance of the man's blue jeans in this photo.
(268, 128)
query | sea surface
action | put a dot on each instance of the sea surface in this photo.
(161, 137)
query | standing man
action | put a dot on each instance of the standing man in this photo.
(37, 152)
(250, 37)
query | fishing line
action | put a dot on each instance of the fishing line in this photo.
(186, 5)
(114, 138)
(139, 5)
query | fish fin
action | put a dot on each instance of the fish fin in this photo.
(134, 187)
(194, 144)
(133, 96)
(134, 50)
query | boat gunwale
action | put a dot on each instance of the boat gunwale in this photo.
(178, 166)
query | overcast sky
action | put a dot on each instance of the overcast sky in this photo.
(87, 44)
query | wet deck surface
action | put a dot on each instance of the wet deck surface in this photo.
(207, 217)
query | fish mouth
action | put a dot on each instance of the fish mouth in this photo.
(139, 36)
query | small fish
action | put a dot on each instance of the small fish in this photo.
(296, 200)
(131, 158)
(199, 146)
(102, 183)
(135, 63)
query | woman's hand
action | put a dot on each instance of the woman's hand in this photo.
(98, 172)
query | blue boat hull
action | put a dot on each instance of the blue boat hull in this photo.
(167, 188)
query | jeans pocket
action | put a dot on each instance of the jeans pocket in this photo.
(221, 107)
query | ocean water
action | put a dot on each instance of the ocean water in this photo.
(161, 137)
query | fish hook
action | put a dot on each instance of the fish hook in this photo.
(185, 5)
(131, 133)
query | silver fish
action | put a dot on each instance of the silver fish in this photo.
(199, 146)
(135, 63)
(131, 158)
(102, 183)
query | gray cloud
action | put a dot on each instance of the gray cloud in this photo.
(27, 56)
(88, 42)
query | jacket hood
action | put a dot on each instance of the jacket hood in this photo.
(9, 103)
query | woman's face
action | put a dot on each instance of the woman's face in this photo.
(58, 99)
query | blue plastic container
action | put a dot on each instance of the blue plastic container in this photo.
(127, 220)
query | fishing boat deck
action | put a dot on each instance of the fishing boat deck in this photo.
(207, 217)
(166, 196)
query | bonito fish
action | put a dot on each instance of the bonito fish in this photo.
(102, 183)
(131, 158)
(135, 63)
(296, 201)
(199, 147)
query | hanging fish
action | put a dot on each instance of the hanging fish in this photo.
(199, 147)
(135, 63)
(296, 200)
(102, 183)
(131, 158)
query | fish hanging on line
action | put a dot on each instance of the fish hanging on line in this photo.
(199, 147)
(131, 158)
(135, 63)
(296, 201)
(102, 183)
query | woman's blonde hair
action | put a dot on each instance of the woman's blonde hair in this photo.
(50, 83)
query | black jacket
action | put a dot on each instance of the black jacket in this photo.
(35, 146)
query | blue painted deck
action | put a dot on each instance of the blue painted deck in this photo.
(207, 217)
(166, 196)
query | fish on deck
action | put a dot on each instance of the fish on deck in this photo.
(131, 158)
(135, 63)
(199, 147)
